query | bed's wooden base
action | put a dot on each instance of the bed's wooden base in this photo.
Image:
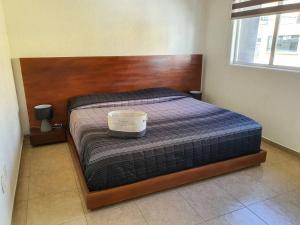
(110, 196)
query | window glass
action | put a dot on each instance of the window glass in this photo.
(286, 2)
(287, 51)
(254, 39)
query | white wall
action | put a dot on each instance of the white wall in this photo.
(104, 27)
(137, 27)
(101, 27)
(269, 96)
(10, 131)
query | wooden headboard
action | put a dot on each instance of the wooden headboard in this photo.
(55, 80)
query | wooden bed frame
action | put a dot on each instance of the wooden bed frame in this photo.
(97, 199)
(55, 80)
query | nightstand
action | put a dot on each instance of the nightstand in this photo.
(56, 135)
(196, 95)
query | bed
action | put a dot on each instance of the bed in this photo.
(204, 140)
(186, 140)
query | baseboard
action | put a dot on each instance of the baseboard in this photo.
(281, 147)
(19, 161)
(17, 175)
(20, 151)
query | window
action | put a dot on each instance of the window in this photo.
(287, 48)
(267, 40)
(287, 43)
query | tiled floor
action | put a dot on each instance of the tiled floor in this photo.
(269, 194)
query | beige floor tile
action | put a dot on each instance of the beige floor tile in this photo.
(46, 176)
(78, 221)
(83, 201)
(24, 170)
(244, 188)
(274, 177)
(281, 210)
(275, 155)
(168, 208)
(50, 159)
(293, 197)
(44, 184)
(240, 217)
(54, 209)
(120, 214)
(76, 179)
(292, 168)
(209, 200)
(22, 189)
(286, 162)
(20, 213)
(26, 141)
(82, 198)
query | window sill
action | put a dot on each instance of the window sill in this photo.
(267, 67)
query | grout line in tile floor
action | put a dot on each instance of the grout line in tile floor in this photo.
(78, 190)
(220, 186)
(82, 208)
(141, 213)
(248, 207)
(283, 193)
(178, 192)
(206, 220)
(224, 214)
(67, 221)
(258, 216)
(265, 199)
(26, 220)
(50, 193)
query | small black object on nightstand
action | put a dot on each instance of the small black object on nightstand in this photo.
(56, 135)
(196, 95)
(44, 113)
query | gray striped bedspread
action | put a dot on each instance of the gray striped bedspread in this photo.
(182, 133)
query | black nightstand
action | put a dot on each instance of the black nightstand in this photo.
(196, 95)
(56, 135)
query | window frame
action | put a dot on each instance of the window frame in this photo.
(270, 65)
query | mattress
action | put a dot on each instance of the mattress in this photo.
(182, 133)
